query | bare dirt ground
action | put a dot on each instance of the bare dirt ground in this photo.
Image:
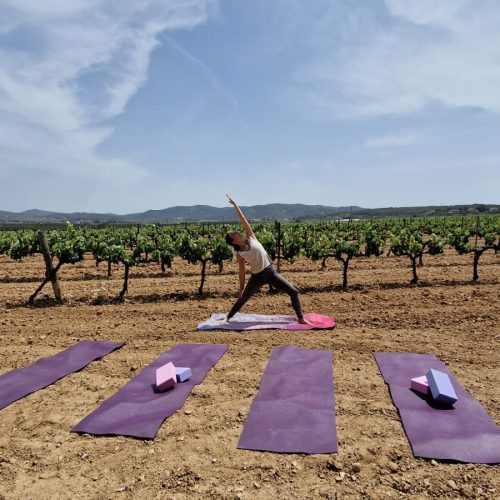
(194, 454)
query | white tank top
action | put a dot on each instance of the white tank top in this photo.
(257, 257)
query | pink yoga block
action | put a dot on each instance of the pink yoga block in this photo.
(420, 384)
(165, 377)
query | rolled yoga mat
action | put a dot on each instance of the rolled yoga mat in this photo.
(138, 408)
(294, 411)
(242, 321)
(16, 384)
(463, 432)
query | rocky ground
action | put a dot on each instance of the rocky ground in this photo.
(194, 454)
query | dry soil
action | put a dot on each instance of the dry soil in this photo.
(194, 454)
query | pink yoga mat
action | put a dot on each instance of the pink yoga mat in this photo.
(267, 322)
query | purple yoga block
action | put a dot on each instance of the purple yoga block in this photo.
(182, 373)
(440, 387)
(165, 377)
(420, 384)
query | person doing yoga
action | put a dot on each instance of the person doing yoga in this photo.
(250, 250)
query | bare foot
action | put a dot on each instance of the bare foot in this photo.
(224, 321)
(303, 321)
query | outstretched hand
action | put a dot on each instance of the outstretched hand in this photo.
(230, 200)
(243, 219)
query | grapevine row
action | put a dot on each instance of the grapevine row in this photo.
(201, 244)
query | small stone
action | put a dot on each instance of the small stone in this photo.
(427, 482)
(181, 438)
(467, 491)
(256, 485)
(214, 460)
(433, 462)
(47, 475)
(452, 484)
(335, 465)
(188, 412)
(393, 467)
(340, 477)
(124, 487)
(356, 467)
(133, 368)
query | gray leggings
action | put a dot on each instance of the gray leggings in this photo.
(268, 276)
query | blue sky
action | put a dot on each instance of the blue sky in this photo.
(124, 106)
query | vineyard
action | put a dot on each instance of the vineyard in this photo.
(204, 245)
(423, 285)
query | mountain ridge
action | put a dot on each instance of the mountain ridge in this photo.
(272, 211)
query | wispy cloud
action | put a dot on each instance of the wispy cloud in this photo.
(392, 140)
(215, 81)
(422, 53)
(68, 67)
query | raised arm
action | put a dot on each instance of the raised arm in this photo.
(243, 219)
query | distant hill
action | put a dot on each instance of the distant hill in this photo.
(36, 213)
(257, 212)
(206, 213)
(43, 216)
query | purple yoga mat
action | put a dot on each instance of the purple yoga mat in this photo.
(16, 384)
(294, 411)
(138, 409)
(463, 432)
(242, 321)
